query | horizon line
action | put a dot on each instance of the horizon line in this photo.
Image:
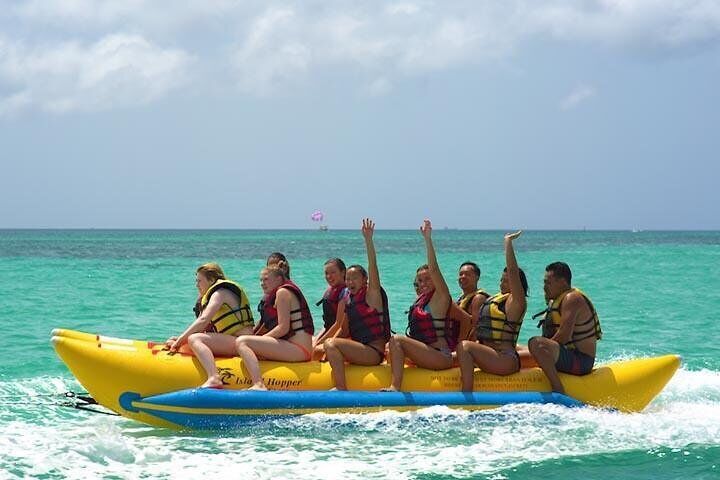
(210, 229)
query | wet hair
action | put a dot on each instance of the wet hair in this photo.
(560, 270)
(212, 271)
(276, 258)
(338, 263)
(278, 269)
(359, 267)
(523, 280)
(422, 267)
(474, 266)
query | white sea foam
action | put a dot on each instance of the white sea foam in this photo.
(38, 439)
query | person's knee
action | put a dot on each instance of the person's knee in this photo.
(538, 346)
(394, 343)
(240, 344)
(195, 339)
(330, 344)
(331, 348)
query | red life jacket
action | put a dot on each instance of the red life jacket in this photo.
(423, 327)
(269, 315)
(330, 300)
(366, 324)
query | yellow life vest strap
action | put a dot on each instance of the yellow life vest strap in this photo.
(243, 313)
(552, 317)
(486, 329)
(465, 300)
(245, 319)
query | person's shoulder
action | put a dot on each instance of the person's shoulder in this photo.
(481, 297)
(574, 298)
(284, 292)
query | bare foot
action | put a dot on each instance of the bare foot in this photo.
(389, 389)
(212, 382)
(259, 387)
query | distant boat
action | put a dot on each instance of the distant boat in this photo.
(323, 228)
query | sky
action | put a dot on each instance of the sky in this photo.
(494, 114)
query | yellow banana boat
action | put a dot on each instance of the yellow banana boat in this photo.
(131, 377)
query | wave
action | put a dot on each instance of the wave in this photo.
(40, 438)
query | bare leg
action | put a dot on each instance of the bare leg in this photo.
(467, 366)
(337, 363)
(338, 350)
(491, 361)
(423, 355)
(205, 345)
(249, 346)
(251, 363)
(546, 353)
(397, 364)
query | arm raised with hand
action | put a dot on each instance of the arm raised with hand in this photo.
(441, 298)
(517, 303)
(374, 297)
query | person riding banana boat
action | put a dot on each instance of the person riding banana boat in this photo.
(570, 328)
(434, 322)
(363, 318)
(222, 314)
(498, 325)
(472, 297)
(336, 291)
(286, 321)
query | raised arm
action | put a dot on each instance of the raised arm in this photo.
(374, 297)
(437, 278)
(368, 228)
(517, 303)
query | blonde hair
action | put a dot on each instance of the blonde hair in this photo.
(212, 271)
(279, 269)
(277, 258)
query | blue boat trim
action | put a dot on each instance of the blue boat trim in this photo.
(126, 401)
(213, 409)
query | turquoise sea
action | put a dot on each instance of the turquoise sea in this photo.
(656, 293)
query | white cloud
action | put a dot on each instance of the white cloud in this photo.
(116, 71)
(267, 58)
(283, 45)
(275, 45)
(640, 24)
(578, 95)
(403, 39)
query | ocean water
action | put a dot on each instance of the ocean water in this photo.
(656, 293)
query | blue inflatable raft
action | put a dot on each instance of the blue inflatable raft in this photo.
(210, 409)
